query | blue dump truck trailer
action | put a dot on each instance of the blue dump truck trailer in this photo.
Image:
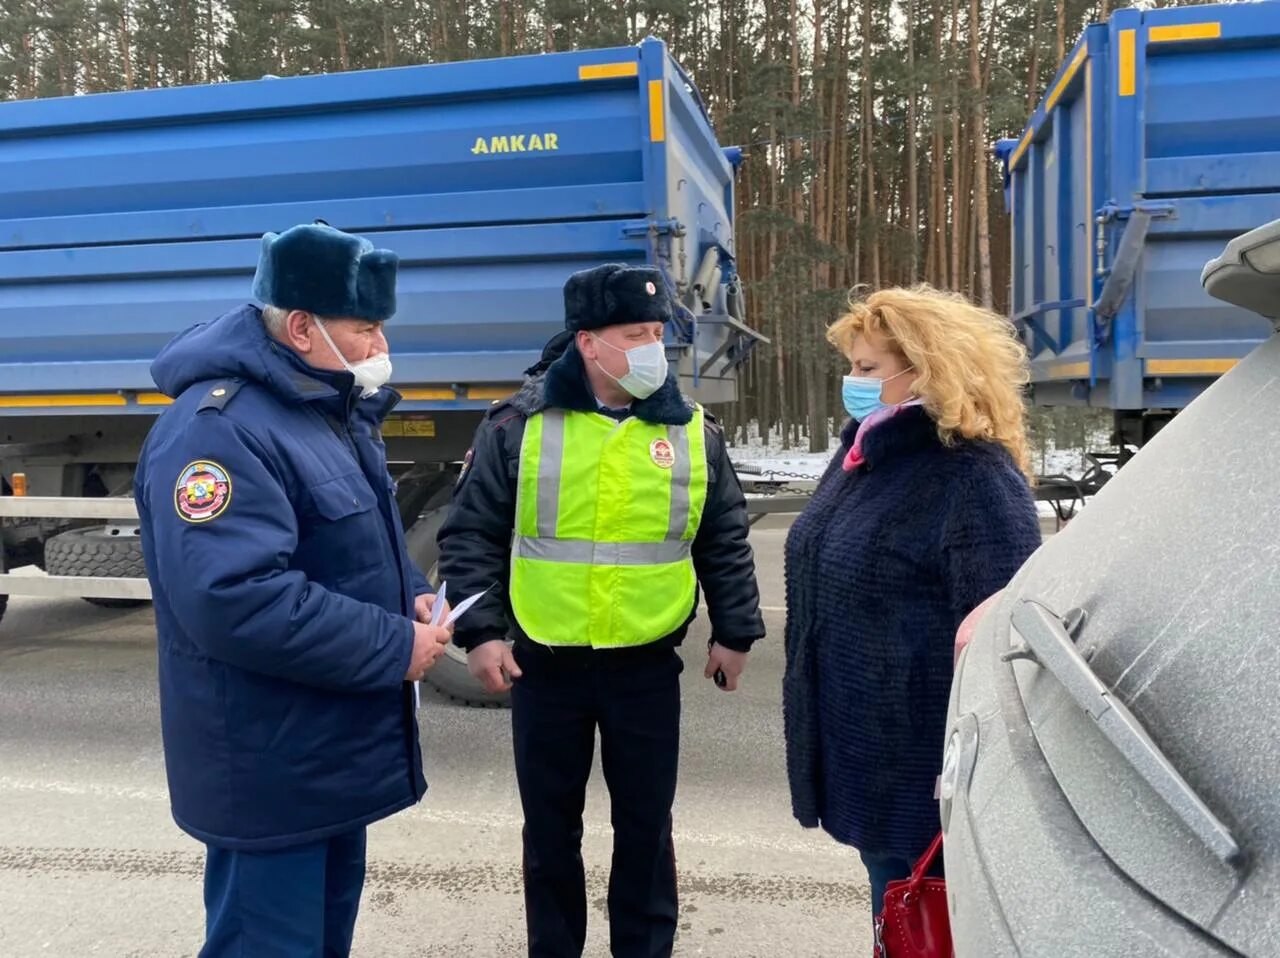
(1158, 141)
(127, 217)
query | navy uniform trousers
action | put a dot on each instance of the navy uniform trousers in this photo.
(296, 902)
(556, 709)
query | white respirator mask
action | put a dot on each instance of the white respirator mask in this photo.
(371, 374)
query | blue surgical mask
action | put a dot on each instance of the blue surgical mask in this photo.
(861, 394)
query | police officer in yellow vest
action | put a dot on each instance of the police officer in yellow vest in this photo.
(592, 505)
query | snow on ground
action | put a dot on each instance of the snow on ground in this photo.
(765, 459)
(1059, 462)
(768, 456)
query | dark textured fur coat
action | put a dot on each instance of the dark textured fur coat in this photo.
(881, 569)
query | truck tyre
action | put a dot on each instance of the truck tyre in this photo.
(449, 675)
(97, 552)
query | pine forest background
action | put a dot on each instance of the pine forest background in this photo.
(867, 126)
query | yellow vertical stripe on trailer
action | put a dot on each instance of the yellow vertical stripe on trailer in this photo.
(657, 111)
(1128, 63)
(1089, 226)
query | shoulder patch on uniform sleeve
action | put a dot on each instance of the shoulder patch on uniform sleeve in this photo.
(221, 394)
(203, 491)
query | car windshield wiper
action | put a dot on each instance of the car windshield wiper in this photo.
(1048, 643)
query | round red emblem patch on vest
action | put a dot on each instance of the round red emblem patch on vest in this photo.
(662, 453)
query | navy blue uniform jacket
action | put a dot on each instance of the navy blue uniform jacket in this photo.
(283, 594)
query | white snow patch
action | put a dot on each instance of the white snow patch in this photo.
(765, 458)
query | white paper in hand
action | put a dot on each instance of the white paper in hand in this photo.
(437, 610)
(437, 613)
(464, 605)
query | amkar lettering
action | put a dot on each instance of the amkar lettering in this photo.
(523, 143)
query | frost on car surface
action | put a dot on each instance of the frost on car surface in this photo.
(1066, 835)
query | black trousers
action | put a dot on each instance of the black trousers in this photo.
(556, 708)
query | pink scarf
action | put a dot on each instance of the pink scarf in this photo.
(854, 458)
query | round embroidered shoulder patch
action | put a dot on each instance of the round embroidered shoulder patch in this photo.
(466, 464)
(662, 453)
(203, 491)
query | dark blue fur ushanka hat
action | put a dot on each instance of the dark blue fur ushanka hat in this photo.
(613, 294)
(327, 272)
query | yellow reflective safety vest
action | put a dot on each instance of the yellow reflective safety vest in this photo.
(606, 514)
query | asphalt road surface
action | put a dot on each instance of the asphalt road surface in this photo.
(92, 864)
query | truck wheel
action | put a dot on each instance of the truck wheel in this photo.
(450, 674)
(102, 551)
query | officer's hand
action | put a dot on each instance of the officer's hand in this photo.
(731, 663)
(424, 605)
(494, 665)
(429, 642)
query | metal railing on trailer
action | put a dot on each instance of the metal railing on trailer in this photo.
(108, 509)
(767, 496)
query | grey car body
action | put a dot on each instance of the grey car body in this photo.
(1111, 780)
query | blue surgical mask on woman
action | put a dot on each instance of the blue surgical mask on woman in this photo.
(861, 394)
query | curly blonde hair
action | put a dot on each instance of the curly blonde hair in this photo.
(971, 367)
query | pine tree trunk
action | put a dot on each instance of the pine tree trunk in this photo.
(210, 44)
(913, 163)
(980, 194)
(868, 144)
(957, 192)
(841, 158)
(1033, 79)
(344, 61)
(126, 56)
(795, 147)
(1062, 31)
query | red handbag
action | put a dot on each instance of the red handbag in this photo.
(914, 922)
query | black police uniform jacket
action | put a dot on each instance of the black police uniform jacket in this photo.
(475, 539)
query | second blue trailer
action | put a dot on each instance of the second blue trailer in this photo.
(1158, 140)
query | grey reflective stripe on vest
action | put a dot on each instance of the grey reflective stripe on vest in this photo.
(584, 552)
(550, 451)
(680, 475)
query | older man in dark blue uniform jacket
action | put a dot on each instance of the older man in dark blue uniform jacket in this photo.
(290, 617)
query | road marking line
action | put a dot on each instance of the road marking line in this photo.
(444, 816)
(458, 880)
